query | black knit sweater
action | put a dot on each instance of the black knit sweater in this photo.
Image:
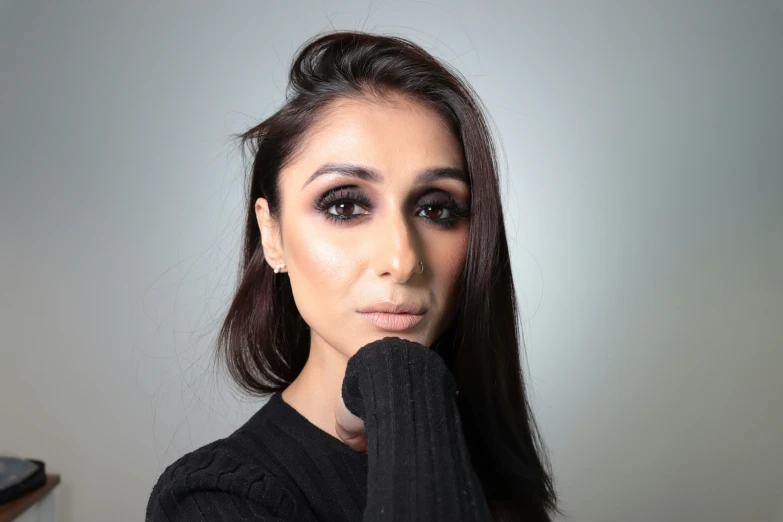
(279, 466)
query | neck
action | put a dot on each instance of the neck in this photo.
(316, 391)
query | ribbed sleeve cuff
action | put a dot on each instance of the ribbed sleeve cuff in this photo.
(393, 369)
(419, 466)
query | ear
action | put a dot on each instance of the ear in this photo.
(270, 234)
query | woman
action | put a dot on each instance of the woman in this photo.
(375, 303)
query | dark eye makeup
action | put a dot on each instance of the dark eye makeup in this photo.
(353, 195)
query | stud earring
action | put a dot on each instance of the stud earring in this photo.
(278, 267)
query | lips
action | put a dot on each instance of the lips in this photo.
(392, 322)
(389, 307)
(388, 315)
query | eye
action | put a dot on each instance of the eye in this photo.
(344, 200)
(441, 203)
(443, 209)
(440, 209)
(344, 208)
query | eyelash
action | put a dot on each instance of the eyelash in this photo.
(342, 195)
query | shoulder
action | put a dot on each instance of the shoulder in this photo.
(219, 482)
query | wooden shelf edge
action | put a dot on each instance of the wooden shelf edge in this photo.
(13, 509)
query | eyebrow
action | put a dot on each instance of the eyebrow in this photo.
(372, 175)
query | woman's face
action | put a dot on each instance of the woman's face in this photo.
(362, 243)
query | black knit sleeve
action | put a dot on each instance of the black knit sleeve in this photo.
(419, 467)
(211, 485)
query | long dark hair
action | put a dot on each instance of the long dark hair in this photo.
(264, 340)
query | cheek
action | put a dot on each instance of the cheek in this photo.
(454, 263)
(320, 271)
(451, 275)
(447, 255)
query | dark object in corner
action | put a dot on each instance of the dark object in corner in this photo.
(20, 476)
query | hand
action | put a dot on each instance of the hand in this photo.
(350, 428)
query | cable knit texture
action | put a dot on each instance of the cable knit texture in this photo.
(280, 467)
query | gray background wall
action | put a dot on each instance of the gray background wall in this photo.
(643, 183)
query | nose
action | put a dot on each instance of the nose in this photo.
(396, 249)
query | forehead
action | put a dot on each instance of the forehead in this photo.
(397, 136)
